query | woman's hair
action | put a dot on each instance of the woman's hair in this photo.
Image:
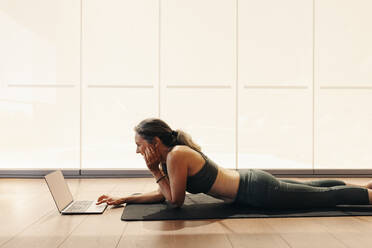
(153, 127)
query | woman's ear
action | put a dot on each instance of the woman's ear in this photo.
(156, 142)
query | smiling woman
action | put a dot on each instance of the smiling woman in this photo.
(178, 165)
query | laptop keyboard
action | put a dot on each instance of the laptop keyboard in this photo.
(79, 206)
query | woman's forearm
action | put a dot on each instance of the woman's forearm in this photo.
(163, 185)
(150, 197)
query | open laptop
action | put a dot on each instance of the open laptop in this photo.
(63, 198)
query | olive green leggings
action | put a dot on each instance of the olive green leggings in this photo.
(258, 188)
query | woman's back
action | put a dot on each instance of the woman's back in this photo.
(201, 170)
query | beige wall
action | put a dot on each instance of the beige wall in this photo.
(258, 84)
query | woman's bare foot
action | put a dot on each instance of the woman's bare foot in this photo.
(369, 185)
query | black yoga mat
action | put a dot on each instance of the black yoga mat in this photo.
(201, 206)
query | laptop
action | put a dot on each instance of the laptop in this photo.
(63, 198)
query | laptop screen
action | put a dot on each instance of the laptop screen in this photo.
(59, 189)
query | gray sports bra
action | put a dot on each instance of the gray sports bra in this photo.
(203, 180)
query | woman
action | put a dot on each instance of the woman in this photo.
(178, 165)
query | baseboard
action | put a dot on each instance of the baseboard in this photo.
(138, 173)
(344, 171)
(35, 173)
(115, 173)
(68, 173)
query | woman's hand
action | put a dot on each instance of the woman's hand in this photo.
(110, 200)
(152, 158)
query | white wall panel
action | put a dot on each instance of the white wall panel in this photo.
(198, 42)
(120, 75)
(40, 41)
(344, 129)
(120, 41)
(275, 42)
(275, 84)
(208, 116)
(343, 39)
(109, 117)
(39, 73)
(343, 79)
(40, 128)
(275, 129)
(198, 73)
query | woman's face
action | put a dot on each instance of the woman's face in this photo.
(141, 144)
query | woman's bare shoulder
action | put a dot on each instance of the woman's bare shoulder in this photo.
(181, 152)
(182, 149)
(186, 156)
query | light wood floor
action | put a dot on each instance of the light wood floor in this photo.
(29, 218)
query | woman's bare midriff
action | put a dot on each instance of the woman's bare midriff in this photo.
(226, 185)
(227, 182)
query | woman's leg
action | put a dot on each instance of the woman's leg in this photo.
(305, 196)
(317, 183)
(327, 183)
(264, 190)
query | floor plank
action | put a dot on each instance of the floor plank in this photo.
(49, 231)
(22, 203)
(304, 232)
(98, 230)
(148, 234)
(252, 233)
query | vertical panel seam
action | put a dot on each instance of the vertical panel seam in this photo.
(81, 85)
(236, 83)
(159, 57)
(313, 72)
